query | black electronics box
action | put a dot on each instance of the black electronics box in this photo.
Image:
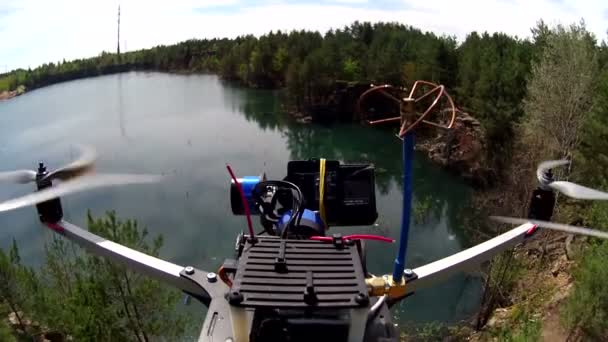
(350, 192)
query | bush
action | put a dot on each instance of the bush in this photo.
(587, 307)
(525, 329)
(91, 298)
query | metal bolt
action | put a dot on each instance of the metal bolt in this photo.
(211, 277)
(408, 272)
(189, 270)
(362, 299)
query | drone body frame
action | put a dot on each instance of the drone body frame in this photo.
(204, 285)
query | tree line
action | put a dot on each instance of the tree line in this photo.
(486, 73)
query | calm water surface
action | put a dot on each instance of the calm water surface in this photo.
(188, 128)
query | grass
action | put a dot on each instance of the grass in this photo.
(523, 329)
(435, 331)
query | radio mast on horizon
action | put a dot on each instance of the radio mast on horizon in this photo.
(118, 40)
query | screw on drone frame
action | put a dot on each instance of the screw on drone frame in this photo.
(409, 120)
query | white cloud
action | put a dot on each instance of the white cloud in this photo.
(36, 31)
(351, 1)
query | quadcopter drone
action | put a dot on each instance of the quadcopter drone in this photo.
(295, 281)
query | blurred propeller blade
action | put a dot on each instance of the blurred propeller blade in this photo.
(578, 191)
(76, 185)
(19, 176)
(551, 164)
(79, 167)
(555, 226)
(567, 188)
(546, 166)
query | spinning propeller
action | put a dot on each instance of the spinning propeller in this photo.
(573, 190)
(75, 177)
(554, 226)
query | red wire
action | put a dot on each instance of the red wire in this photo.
(222, 273)
(244, 200)
(531, 230)
(55, 227)
(369, 237)
(321, 238)
(354, 237)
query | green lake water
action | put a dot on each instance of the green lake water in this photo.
(187, 128)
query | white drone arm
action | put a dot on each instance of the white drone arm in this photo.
(171, 274)
(217, 322)
(436, 271)
(156, 268)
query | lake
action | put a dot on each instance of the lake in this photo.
(187, 127)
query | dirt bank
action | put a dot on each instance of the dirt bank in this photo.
(461, 150)
(5, 95)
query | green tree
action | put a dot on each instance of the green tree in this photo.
(560, 90)
(11, 293)
(5, 333)
(491, 85)
(587, 307)
(351, 70)
(90, 298)
(592, 152)
(280, 62)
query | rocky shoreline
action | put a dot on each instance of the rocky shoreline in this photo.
(460, 150)
(6, 95)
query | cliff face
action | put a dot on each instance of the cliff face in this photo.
(460, 150)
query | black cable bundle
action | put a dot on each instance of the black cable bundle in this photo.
(297, 207)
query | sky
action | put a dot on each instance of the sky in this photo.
(33, 32)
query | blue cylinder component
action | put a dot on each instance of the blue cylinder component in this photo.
(247, 183)
(310, 224)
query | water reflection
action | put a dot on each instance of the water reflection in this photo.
(120, 108)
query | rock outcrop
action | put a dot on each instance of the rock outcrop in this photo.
(460, 150)
(5, 95)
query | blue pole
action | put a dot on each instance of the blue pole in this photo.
(408, 160)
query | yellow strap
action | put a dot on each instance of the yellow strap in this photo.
(322, 192)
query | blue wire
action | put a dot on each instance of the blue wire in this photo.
(408, 160)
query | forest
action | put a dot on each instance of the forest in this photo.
(543, 97)
(486, 73)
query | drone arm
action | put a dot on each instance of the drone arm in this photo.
(161, 270)
(434, 272)
(194, 282)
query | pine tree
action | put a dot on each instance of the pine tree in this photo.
(592, 153)
(90, 298)
(11, 293)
